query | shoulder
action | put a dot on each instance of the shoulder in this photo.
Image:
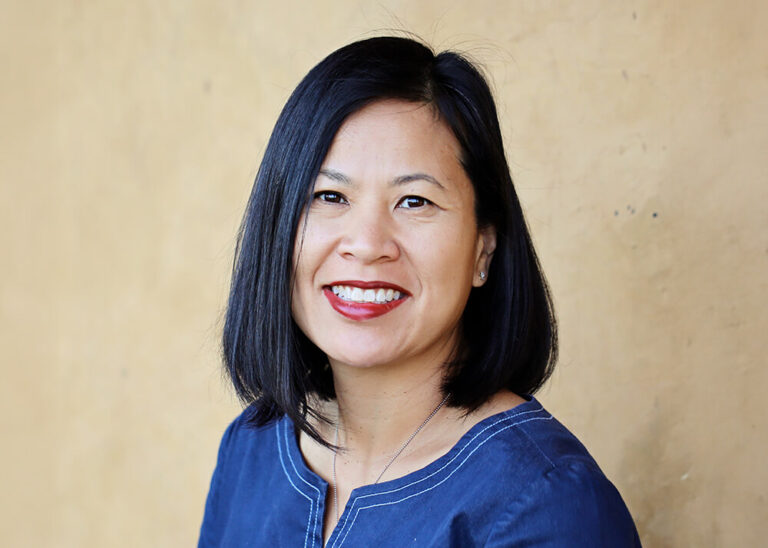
(573, 503)
(249, 460)
(559, 490)
(242, 437)
(527, 440)
(244, 452)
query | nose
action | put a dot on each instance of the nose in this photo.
(369, 236)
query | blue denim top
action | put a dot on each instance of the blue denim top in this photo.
(518, 478)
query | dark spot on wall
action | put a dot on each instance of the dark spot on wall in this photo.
(207, 85)
(616, 213)
(655, 214)
(634, 15)
(624, 74)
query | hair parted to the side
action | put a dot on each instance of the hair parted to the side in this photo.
(509, 334)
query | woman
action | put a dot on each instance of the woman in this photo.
(387, 323)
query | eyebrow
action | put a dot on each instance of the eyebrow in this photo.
(399, 180)
(336, 176)
(403, 179)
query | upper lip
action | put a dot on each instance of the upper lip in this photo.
(370, 285)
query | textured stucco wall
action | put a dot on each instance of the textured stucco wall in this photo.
(637, 133)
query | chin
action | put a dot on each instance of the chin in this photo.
(359, 361)
(361, 357)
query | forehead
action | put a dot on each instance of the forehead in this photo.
(396, 135)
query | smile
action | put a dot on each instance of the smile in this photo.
(358, 295)
(364, 300)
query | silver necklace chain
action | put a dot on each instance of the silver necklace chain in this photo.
(391, 460)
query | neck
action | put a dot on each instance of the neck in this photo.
(378, 410)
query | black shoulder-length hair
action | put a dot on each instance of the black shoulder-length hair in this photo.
(509, 335)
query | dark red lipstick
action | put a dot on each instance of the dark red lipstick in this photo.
(363, 311)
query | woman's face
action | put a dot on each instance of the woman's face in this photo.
(391, 247)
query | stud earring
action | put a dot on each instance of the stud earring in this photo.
(482, 275)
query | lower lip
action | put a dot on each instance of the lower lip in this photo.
(360, 311)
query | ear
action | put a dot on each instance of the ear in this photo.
(486, 245)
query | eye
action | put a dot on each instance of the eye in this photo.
(330, 197)
(413, 202)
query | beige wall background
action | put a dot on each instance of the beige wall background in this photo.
(131, 132)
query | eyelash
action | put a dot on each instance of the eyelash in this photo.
(424, 201)
(323, 196)
(332, 197)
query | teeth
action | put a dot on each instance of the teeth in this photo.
(356, 294)
(381, 295)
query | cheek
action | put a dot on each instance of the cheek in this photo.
(446, 262)
(302, 278)
(451, 243)
(313, 251)
(302, 249)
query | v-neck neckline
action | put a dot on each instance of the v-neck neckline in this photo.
(417, 476)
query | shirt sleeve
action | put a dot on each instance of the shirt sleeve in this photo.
(572, 505)
(214, 519)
